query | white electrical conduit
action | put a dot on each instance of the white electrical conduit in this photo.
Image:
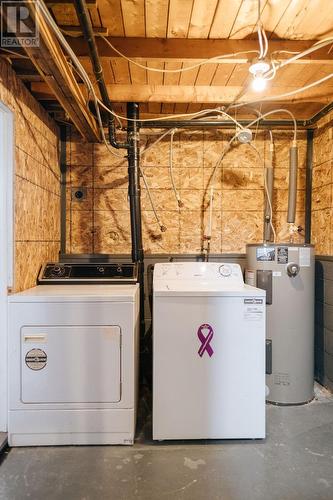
(170, 117)
(298, 55)
(274, 111)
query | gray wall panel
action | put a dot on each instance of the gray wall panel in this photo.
(324, 322)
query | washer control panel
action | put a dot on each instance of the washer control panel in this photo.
(78, 273)
(199, 271)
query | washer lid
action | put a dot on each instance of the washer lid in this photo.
(77, 293)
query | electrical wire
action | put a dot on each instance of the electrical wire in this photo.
(168, 117)
(298, 55)
(162, 227)
(286, 94)
(210, 60)
(274, 111)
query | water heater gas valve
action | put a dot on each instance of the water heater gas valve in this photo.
(292, 269)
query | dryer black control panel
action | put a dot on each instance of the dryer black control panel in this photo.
(87, 273)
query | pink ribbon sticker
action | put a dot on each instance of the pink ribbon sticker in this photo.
(205, 335)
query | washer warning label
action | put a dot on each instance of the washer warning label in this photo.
(36, 359)
(253, 312)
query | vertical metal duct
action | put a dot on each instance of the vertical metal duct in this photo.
(269, 172)
(293, 161)
(308, 188)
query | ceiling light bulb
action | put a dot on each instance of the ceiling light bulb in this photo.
(259, 83)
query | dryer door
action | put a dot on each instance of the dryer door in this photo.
(71, 364)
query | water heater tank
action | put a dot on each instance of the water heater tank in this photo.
(286, 272)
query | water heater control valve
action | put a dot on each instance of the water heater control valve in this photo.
(292, 269)
(225, 270)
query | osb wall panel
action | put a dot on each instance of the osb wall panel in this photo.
(100, 223)
(36, 183)
(322, 197)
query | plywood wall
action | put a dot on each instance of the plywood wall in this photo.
(36, 188)
(100, 223)
(322, 194)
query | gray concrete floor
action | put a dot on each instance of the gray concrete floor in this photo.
(294, 462)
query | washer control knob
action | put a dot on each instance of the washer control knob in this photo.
(225, 270)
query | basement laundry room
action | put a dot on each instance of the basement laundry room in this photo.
(166, 250)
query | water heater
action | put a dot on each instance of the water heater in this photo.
(286, 272)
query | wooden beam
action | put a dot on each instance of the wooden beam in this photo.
(52, 65)
(77, 30)
(182, 49)
(195, 94)
(53, 3)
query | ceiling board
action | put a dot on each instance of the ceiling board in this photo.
(156, 18)
(188, 77)
(133, 18)
(120, 71)
(206, 74)
(171, 78)
(138, 75)
(224, 18)
(179, 18)
(111, 15)
(154, 77)
(246, 19)
(202, 17)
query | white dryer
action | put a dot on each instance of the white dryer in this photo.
(73, 364)
(208, 353)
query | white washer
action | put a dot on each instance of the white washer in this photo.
(208, 353)
(73, 365)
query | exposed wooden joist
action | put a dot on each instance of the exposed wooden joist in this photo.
(77, 30)
(51, 3)
(182, 49)
(194, 94)
(52, 65)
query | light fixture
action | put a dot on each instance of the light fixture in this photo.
(258, 69)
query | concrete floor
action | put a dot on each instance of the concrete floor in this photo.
(295, 462)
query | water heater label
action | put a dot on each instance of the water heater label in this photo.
(265, 254)
(282, 255)
(304, 257)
